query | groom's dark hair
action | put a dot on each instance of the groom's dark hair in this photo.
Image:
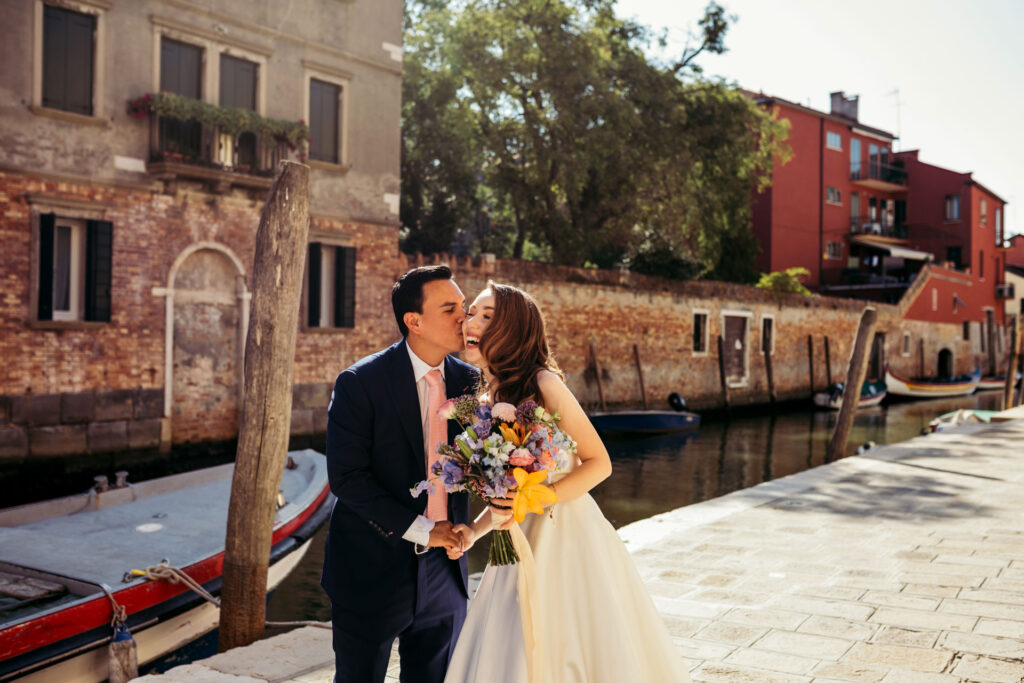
(407, 294)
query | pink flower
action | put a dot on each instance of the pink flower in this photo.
(546, 459)
(506, 412)
(447, 409)
(521, 457)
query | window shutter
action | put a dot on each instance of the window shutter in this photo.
(54, 50)
(98, 248)
(345, 287)
(313, 300)
(46, 223)
(79, 64)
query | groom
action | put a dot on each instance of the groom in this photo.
(385, 566)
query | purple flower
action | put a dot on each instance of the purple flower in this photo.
(524, 413)
(482, 427)
(483, 411)
(451, 473)
(420, 488)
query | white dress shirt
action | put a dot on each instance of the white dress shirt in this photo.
(419, 531)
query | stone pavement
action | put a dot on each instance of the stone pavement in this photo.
(905, 564)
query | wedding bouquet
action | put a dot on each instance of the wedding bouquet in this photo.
(504, 452)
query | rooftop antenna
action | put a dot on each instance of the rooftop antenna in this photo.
(899, 138)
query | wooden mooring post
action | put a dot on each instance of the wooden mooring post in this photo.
(854, 379)
(266, 411)
(721, 372)
(640, 375)
(771, 380)
(921, 373)
(597, 374)
(1011, 368)
(810, 360)
(828, 363)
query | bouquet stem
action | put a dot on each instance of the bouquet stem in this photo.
(502, 550)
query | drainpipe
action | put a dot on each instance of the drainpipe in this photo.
(821, 200)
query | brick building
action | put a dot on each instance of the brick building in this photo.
(128, 242)
(865, 220)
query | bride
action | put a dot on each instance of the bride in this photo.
(585, 613)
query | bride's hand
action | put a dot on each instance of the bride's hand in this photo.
(468, 538)
(501, 513)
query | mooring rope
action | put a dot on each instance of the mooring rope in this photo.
(167, 572)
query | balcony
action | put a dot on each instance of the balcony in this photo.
(867, 225)
(875, 175)
(216, 146)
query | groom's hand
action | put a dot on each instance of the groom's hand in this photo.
(468, 538)
(444, 536)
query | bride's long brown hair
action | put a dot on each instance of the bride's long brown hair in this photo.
(515, 346)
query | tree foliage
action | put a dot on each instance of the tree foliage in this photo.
(785, 281)
(541, 126)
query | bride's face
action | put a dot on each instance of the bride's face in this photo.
(480, 313)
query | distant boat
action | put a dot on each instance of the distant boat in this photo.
(997, 382)
(647, 422)
(871, 394)
(959, 417)
(55, 620)
(931, 388)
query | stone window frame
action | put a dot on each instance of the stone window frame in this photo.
(343, 79)
(707, 332)
(73, 209)
(749, 315)
(213, 45)
(333, 239)
(97, 9)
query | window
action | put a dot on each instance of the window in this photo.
(833, 140)
(68, 58)
(74, 269)
(872, 209)
(181, 67)
(854, 212)
(952, 207)
(238, 89)
(767, 335)
(906, 344)
(834, 250)
(854, 158)
(983, 212)
(324, 120)
(700, 332)
(833, 195)
(967, 330)
(873, 161)
(954, 255)
(981, 264)
(981, 335)
(999, 223)
(331, 286)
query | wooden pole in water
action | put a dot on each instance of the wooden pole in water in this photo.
(640, 375)
(810, 359)
(597, 373)
(266, 412)
(721, 371)
(768, 371)
(1011, 368)
(855, 373)
(828, 363)
(922, 358)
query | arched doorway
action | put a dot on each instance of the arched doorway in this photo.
(945, 364)
(207, 317)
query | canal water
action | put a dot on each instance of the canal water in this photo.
(655, 475)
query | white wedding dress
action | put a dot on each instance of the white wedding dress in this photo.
(587, 614)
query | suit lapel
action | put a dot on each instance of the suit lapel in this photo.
(407, 401)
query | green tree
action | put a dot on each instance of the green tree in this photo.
(786, 281)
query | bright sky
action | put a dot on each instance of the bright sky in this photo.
(959, 68)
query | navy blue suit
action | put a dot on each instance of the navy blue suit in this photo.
(379, 587)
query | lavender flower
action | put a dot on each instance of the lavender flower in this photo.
(525, 413)
(420, 488)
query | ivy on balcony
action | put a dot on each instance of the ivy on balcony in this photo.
(228, 120)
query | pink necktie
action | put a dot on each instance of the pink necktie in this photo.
(437, 433)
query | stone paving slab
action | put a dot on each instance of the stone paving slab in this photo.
(903, 565)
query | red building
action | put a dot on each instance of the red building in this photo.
(1015, 251)
(865, 220)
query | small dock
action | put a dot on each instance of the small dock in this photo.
(902, 564)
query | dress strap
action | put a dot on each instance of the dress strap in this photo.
(526, 595)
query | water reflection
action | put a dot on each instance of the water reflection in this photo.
(654, 475)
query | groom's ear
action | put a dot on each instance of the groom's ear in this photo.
(412, 321)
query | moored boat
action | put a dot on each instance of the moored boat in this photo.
(959, 417)
(997, 382)
(647, 422)
(871, 394)
(64, 562)
(931, 388)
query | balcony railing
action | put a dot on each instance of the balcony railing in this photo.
(877, 174)
(866, 225)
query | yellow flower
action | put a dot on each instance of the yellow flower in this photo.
(515, 434)
(531, 494)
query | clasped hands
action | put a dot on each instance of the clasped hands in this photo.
(459, 538)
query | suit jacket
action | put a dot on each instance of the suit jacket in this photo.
(374, 457)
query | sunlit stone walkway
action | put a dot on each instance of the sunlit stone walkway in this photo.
(904, 564)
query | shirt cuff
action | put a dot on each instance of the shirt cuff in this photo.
(419, 531)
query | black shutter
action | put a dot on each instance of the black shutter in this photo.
(345, 287)
(237, 83)
(181, 68)
(313, 300)
(68, 60)
(98, 248)
(324, 99)
(46, 223)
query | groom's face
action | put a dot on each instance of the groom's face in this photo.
(440, 324)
